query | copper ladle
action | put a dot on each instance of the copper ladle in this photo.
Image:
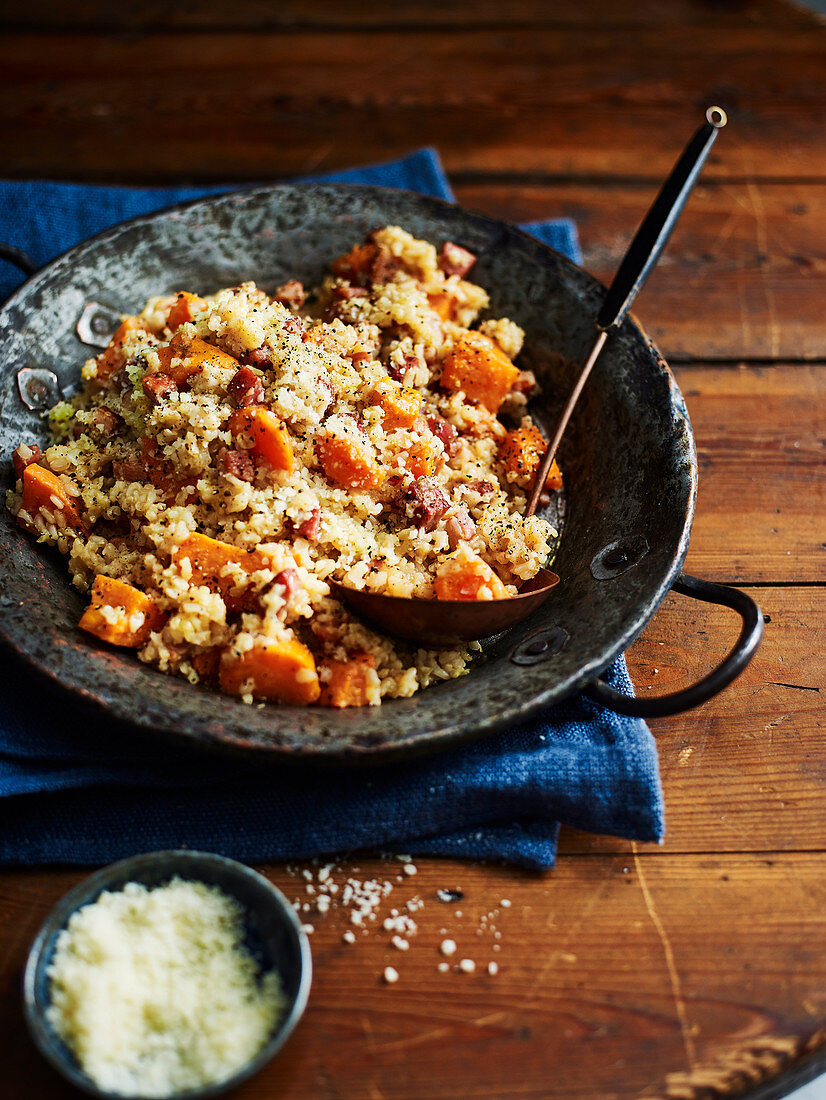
(446, 621)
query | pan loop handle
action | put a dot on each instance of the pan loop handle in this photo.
(751, 633)
(19, 258)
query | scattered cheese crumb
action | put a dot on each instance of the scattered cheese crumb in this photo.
(390, 975)
(493, 968)
(364, 898)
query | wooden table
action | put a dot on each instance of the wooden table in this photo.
(693, 970)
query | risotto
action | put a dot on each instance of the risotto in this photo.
(225, 455)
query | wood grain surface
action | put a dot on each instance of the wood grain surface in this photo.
(694, 970)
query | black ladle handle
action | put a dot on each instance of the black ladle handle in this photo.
(643, 252)
(658, 225)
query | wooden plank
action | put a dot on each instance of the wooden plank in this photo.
(743, 277)
(619, 977)
(579, 100)
(760, 435)
(747, 770)
(324, 14)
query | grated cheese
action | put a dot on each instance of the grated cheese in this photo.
(155, 992)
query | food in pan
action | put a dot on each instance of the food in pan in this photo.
(227, 454)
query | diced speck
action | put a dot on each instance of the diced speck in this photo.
(444, 967)
(505, 903)
(467, 966)
(399, 943)
(448, 947)
(493, 968)
(410, 869)
(308, 928)
(349, 937)
(390, 975)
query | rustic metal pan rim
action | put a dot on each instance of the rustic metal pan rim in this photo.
(214, 730)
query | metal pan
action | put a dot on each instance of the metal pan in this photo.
(629, 458)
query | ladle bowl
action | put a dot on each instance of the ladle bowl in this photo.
(445, 622)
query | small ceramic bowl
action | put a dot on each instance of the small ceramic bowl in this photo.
(274, 936)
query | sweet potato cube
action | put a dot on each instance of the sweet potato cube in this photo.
(120, 614)
(347, 461)
(44, 491)
(208, 560)
(185, 307)
(267, 435)
(190, 357)
(284, 671)
(424, 457)
(479, 368)
(465, 576)
(356, 262)
(521, 452)
(443, 304)
(400, 404)
(349, 681)
(112, 358)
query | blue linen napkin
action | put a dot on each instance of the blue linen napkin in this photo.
(75, 789)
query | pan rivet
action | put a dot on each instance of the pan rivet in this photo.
(618, 557)
(97, 323)
(38, 387)
(540, 646)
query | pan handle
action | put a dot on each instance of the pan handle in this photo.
(744, 649)
(19, 258)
